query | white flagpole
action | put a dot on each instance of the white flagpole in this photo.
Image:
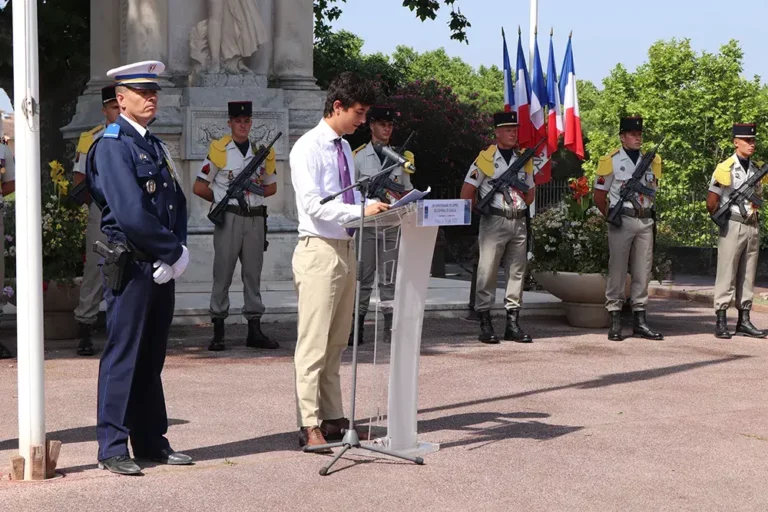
(532, 39)
(29, 266)
(532, 32)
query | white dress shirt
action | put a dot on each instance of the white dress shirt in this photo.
(315, 175)
(142, 131)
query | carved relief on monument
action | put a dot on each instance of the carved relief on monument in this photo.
(206, 125)
(225, 41)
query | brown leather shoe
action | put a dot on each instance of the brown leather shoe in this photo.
(334, 429)
(312, 436)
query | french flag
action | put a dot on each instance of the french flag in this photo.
(522, 98)
(555, 123)
(509, 88)
(539, 99)
(573, 139)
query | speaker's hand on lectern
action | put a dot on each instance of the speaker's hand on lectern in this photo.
(374, 208)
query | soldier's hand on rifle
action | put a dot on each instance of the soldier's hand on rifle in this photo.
(374, 208)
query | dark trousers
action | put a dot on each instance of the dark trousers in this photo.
(131, 402)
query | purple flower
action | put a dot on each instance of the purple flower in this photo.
(8, 238)
(8, 291)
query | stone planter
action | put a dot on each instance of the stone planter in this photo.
(59, 303)
(583, 296)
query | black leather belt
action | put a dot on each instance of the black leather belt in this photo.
(643, 214)
(136, 255)
(508, 214)
(254, 211)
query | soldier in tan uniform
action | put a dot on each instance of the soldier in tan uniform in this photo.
(368, 162)
(243, 234)
(631, 245)
(8, 181)
(504, 233)
(91, 292)
(739, 241)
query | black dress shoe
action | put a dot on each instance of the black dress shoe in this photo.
(167, 456)
(4, 352)
(745, 327)
(121, 465)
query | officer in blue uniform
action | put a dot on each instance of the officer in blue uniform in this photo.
(132, 178)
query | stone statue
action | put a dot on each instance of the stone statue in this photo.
(232, 33)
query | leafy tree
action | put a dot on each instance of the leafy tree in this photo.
(693, 99)
(64, 48)
(329, 10)
(342, 51)
(483, 88)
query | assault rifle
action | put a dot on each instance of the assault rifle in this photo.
(378, 187)
(508, 179)
(745, 192)
(634, 186)
(242, 183)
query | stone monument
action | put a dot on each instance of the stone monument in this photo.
(215, 51)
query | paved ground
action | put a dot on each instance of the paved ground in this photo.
(572, 422)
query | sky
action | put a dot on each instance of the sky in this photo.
(605, 32)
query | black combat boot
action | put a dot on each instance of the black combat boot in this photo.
(486, 328)
(640, 328)
(387, 327)
(256, 338)
(614, 332)
(745, 328)
(721, 326)
(512, 331)
(351, 340)
(4, 352)
(217, 343)
(85, 345)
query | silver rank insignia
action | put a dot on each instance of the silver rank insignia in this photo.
(143, 156)
(151, 186)
(230, 176)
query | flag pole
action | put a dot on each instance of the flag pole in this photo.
(29, 273)
(534, 22)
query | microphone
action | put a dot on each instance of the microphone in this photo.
(394, 156)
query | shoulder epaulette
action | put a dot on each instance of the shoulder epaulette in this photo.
(269, 166)
(112, 131)
(87, 138)
(356, 151)
(605, 164)
(217, 152)
(723, 171)
(484, 160)
(656, 166)
(411, 158)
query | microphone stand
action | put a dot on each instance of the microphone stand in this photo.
(351, 439)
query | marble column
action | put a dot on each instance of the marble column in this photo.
(105, 41)
(293, 44)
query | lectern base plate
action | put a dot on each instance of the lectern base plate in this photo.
(421, 448)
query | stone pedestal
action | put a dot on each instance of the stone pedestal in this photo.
(193, 106)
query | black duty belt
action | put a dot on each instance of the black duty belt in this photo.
(254, 211)
(642, 214)
(136, 255)
(508, 214)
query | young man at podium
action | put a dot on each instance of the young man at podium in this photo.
(504, 232)
(324, 261)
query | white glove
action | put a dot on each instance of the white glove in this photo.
(181, 264)
(164, 272)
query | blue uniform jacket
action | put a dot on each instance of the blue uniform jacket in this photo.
(142, 204)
